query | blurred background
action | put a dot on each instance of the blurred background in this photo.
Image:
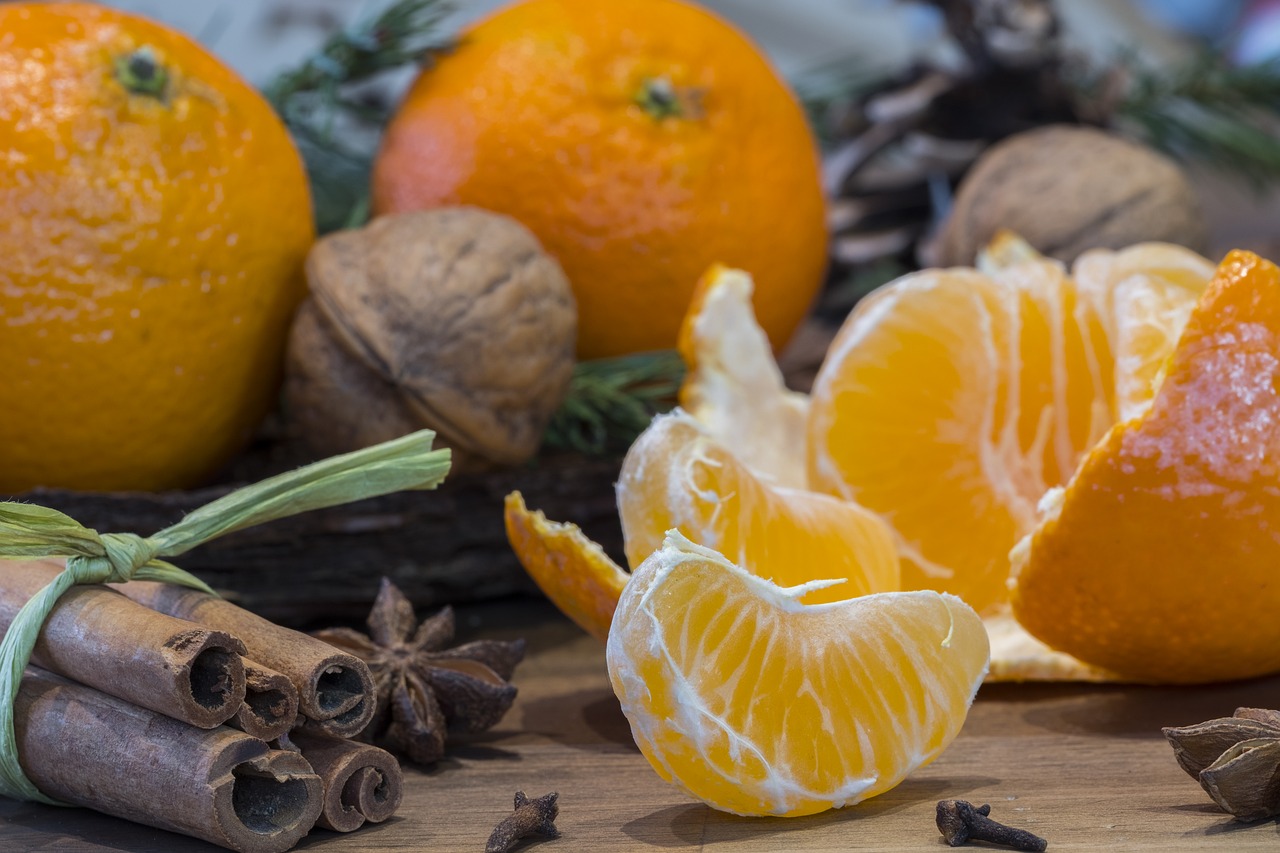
(262, 37)
(827, 49)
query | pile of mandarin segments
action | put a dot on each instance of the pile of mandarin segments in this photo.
(1014, 472)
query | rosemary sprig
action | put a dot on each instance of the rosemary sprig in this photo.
(321, 97)
(612, 400)
(1207, 110)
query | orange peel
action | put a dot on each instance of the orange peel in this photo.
(572, 570)
(1158, 559)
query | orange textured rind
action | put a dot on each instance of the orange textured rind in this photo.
(1159, 558)
(151, 254)
(536, 112)
(1018, 657)
(572, 570)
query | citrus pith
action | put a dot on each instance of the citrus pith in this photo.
(758, 704)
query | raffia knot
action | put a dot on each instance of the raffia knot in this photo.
(122, 555)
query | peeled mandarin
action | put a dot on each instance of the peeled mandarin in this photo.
(948, 403)
(951, 401)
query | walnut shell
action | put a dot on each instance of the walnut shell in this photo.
(1067, 189)
(452, 319)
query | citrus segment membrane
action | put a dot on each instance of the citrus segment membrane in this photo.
(757, 703)
(677, 476)
(734, 386)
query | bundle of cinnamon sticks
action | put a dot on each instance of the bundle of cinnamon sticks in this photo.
(172, 707)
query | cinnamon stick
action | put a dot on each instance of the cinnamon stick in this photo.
(335, 689)
(89, 749)
(100, 638)
(361, 782)
(270, 706)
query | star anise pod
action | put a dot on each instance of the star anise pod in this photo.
(1235, 759)
(424, 688)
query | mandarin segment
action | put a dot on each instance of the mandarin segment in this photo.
(573, 571)
(1144, 295)
(733, 385)
(1159, 559)
(940, 407)
(952, 400)
(676, 475)
(759, 704)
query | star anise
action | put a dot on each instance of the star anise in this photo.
(1235, 759)
(425, 689)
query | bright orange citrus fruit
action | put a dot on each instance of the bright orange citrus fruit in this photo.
(154, 218)
(952, 400)
(1159, 559)
(758, 704)
(640, 140)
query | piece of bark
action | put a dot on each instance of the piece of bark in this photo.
(445, 546)
(270, 705)
(100, 638)
(335, 689)
(361, 782)
(83, 747)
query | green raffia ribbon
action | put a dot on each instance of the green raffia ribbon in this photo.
(28, 531)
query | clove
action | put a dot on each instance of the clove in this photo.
(531, 817)
(960, 822)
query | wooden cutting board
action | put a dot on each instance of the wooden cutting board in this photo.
(1083, 766)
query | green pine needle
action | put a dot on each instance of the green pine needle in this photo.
(612, 400)
(1209, 111)
(315, 102)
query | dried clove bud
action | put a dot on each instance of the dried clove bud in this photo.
(961, 822)
(531, 817)
(1235, 759)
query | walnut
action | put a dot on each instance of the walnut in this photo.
(452, 319)
(1066, 189)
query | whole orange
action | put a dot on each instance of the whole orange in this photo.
(641, 140)
(154, 218)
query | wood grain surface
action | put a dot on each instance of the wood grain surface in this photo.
(1083, 766)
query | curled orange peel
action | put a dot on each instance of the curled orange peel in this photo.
(572, 570)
